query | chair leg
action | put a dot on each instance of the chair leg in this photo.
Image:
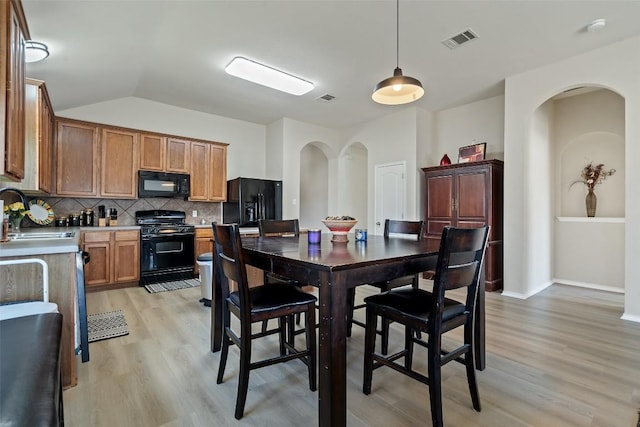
(226, 323)
(243, 377)
(470, 365)
(384, 342)
(408, 348)
(369, 348)
(310, 326)
(351, 300)
(435, 381)
(224, 352)
(282, 334)
(265, 324)
(291, 330)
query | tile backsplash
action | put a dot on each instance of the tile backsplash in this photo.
(127, 208)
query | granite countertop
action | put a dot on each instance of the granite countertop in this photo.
(48, 246)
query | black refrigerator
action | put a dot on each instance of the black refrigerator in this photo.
(250, 199)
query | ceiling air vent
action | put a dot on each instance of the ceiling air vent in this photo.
(326, 98)
(459, 39)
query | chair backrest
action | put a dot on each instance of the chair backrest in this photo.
(459, 264)
(392, 226)
(279, 227)
(230, 262)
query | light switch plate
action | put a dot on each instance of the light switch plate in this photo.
(194, 213)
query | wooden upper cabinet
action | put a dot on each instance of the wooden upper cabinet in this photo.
(45, 152)
(218, 175)
(77, 152)
(119, 164)
(208, 172)
(153, 152)
(200, 171)
(14, 28)
(178, 155)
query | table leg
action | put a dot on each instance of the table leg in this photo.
(332, 378)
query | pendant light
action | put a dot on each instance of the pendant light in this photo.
(398, 89)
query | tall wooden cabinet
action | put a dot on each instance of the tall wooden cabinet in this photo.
(208, 172)
(467, 195)
(77, 148)
(119, 164)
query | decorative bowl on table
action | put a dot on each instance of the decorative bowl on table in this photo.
(339, 227)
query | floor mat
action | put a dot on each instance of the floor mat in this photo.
(103, 326)
(172, 286)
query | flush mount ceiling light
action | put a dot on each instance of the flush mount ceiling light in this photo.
(597, 25)
(35, 51)
(267, 76)
(398, 89)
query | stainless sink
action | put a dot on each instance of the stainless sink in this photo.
(44, 235)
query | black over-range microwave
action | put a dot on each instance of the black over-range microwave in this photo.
(161, 184)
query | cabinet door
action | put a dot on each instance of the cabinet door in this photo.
(470, 204)
(200, 171)
(217, 173)
(153, 152)
(178, 159)
(98, 270)
(45, 151)
(77, 151)
(439, 204)
(126, 256)
(119, 164)
(15, 93)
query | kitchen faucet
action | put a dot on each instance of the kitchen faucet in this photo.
(23, 198)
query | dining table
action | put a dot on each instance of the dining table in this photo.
(334, 268)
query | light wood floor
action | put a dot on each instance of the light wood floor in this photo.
(560, 358)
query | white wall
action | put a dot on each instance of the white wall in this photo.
(246, 151)
(616, 67)
(390, 139)
(481, 121)
(314, 187)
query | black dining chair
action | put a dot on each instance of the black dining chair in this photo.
(280, 228)
(251, 305)
(459, 264)
(407, 229)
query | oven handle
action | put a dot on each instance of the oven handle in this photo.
(152, 236)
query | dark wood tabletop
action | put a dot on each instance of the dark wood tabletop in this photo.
(332, 268)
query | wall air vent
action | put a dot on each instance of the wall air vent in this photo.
(326, 98)
(459, 39)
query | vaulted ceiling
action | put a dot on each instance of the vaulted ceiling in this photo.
(174, 52)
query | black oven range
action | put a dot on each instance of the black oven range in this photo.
(166, 246)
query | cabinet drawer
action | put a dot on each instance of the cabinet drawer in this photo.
(126, 235)
(203, 233)
(97, 236)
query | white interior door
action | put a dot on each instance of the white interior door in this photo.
(389, 193)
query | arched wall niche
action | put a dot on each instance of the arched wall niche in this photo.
(567, 131)
(353, 182)
(315, 165)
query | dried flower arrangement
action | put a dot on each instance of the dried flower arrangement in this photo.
(592, 175)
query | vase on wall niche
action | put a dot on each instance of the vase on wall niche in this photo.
(592, 202)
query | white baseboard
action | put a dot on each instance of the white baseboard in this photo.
(528, 294)
(589, 285)
(631, 317)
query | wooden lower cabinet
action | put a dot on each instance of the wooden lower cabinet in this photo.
(114, 258)
(203, 244)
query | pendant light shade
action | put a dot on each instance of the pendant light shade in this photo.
(398, 89)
